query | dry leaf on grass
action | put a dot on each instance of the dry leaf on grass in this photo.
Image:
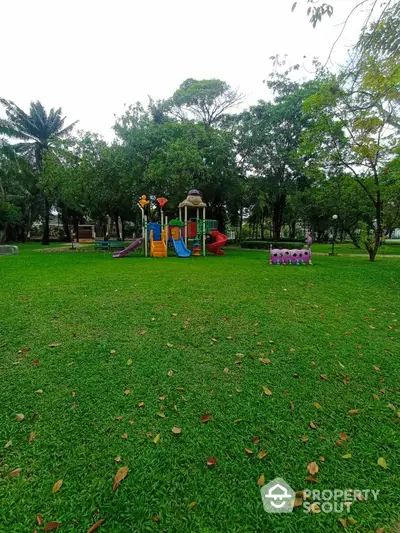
(117, 459)
(155, 518)
(36, 362)
(39, 519)
(317, 405)
(211, 461)
(267, 391)
(265, 361)
(313, 468)
(8, 444)
(192, 505)
(176, 431)
(353, 412)
(57, 486)
(312, 425)
(96, 526)
(170, 373)
(248, 452)
(51, 525)
(140, 404)
(261, 480)
(127, 392)
(19, 417)
(343, 436)
(16, 472)
(32, 436)
(343, 521)
(205, 418)
(262, 454)
(304, 438)
(157, 438)
(119, 476)
(54, 345)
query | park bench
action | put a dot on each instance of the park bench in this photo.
(101, 245)
(116, 245)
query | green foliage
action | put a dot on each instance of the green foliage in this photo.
(265, 245)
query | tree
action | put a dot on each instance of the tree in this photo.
(351, 135)
(38, 132)
(205, 100)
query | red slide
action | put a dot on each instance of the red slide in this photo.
(220, 241)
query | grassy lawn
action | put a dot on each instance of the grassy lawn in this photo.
(185, 337)
(348, 248)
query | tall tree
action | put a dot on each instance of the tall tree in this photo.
(205, 100)
(38, 132)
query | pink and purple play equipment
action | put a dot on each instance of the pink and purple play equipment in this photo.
(291, 257)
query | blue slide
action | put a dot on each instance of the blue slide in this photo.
(180, 248)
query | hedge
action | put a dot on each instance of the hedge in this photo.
(262, 245)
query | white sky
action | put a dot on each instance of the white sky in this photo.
(93, 56)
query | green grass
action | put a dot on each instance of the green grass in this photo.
(337, 318)
(348, 248)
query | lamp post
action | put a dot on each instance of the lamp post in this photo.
(334, 218)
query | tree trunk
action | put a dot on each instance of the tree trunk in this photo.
(241, 223)
(292, 230)
(122, 228)
(75, 223)
(46, 223)
(65, 221)
(277, 216)
(117, 227)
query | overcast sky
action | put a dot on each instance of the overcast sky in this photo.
(93, 56)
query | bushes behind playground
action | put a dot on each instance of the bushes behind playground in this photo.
(262, 245)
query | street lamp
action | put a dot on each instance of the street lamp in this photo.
(334, 218)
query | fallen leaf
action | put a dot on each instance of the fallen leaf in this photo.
(39, 519)
(376, 397)
(248, 452)
(382, 462)
(376, 368)
(261, 480)
(226, 370)
(353, 412)
(176, 431)
(57, 486)
(265, 361)
(261, 454)
(117, 459)
(157, 438)
(131, 422)
(321, 458)
(267, 391)
(317, 405)
(142, 332)
(343, 521)
(170, 373)
(160, 414)
(19, 417)
(127, 391)
(16, 472)
(214, 340)
(129, 362)
(304, 438)
(169, 345)
(140, 404)
(313, 363)
(119, 418)
(311, 479)
(36, 362)
(32, 436)
(313, 468)
(155, 518)
(347, 456)
(96, 526)
(8, 444)
(74, 406)
(324, 377)
(343, 436)
(205, 418)
(314, 508)
(162, 398)
(351, 520)
(255, 440)
(211, 461)
(54, 344)
(180, 388)
(51, 525)
(297, 502)
(113, 352)
(339, 443)
(39, 391)
(312, 425)
(119, 476)
(237, 421)
(192, 505)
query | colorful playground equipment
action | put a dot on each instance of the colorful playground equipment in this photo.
(180, 232)
(291, 257)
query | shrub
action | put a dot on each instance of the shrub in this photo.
(262, 245)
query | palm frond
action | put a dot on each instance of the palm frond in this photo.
(18, 118)
(8, 129)
(66, 130)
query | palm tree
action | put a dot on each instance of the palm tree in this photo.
(38, 132)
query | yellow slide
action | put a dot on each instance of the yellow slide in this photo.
(158, 248)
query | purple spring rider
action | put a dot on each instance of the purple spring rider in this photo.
(292, 257)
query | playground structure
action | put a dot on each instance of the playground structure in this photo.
(179, 232)
(291, 257)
